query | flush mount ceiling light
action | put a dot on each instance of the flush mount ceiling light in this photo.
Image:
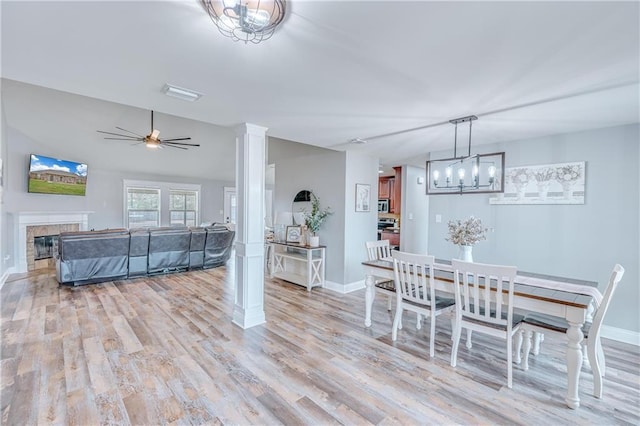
(358, 141)
(181, 93)
(474, 174)
(249, 21)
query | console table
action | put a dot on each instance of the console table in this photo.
(299, 264)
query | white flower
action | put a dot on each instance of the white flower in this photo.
(466, 233)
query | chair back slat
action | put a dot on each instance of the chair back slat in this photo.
(413, 274)
(616, 276)
(480, 288)
(378, 249)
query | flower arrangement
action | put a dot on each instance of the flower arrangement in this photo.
(317, 216)
(520, 176)
(569, 173)
(466, 233)
(544, 174)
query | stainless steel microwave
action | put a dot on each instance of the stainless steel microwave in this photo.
(383, 205)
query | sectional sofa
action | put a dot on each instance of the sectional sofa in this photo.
(88, 257)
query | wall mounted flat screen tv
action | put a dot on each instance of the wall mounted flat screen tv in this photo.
(53, 176)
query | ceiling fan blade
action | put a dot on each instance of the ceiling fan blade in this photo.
(129, 131)
(180, 143)
(115, 134)
(176, 139)
(121, 139)
(172, 146)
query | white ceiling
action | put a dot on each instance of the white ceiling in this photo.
(335, 71)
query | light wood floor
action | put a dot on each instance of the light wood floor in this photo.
(163, 350)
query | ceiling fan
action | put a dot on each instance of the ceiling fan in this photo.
(151, 140)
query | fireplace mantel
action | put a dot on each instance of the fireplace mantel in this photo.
(24, 219)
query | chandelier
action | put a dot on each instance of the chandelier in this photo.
(466, 174)
(249, 21)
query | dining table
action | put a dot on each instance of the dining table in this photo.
(562, 297)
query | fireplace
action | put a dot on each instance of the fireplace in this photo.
(38, 224)
(43, 246)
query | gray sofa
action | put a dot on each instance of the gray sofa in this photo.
(97, 256)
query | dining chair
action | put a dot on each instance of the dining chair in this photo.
(484, 303)
(415, 291)
(546, 323)
(380, 250)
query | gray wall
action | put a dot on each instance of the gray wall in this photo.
(332, 177)
(414, 223)
(4, 234)
(324, 175)
(580, 241)
(359, 226)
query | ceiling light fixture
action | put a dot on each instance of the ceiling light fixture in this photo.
(475, 174)
(181, 93)
(358, 141)
(249, 20)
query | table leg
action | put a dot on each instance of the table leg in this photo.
(574, 363)
(369, 295)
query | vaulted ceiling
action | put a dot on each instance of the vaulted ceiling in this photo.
(392, 73)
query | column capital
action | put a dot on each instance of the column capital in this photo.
(249, 128)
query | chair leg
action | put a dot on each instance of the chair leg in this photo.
(537, 339)
(510, 361)
(469, 345)
(396, 322)
(432, 334)
(601, 361)
(456, 342)
(518, 346)
(418, 321)
(592, 352)
(389, 302)
(527, 349)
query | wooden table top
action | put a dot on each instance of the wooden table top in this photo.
(520, 289)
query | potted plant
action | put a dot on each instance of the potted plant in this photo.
(465, 234)
(315, 219)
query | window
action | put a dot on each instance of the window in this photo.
(151, 204)
(143, 207)
(183, 207)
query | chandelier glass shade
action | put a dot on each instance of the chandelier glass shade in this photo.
(249, 21)
(466, 174)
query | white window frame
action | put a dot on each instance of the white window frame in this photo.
(185, 210)
(164, 188)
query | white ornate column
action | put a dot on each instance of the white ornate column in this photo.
(250, 168)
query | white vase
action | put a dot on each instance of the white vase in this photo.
(314, 241)
(543, 190)
(567, 189)
(465, 253)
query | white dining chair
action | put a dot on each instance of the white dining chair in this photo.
(546, 323)
(415, 290)
(484, 303)
(380, 250)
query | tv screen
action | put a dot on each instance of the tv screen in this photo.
(52, 176)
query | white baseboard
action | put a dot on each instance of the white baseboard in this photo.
(621, 335)
(344, 288)
(6, 274)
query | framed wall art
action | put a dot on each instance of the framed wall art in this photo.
(562, 183)
(363, 197)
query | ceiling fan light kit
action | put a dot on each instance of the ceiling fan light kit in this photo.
(474, 174)
(152, 140)
(249, 21)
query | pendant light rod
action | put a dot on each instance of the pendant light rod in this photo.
(456, 121)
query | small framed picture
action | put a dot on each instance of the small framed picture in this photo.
(293, 234)
(363, 197)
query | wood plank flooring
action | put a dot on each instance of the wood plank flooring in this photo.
(163, 350)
